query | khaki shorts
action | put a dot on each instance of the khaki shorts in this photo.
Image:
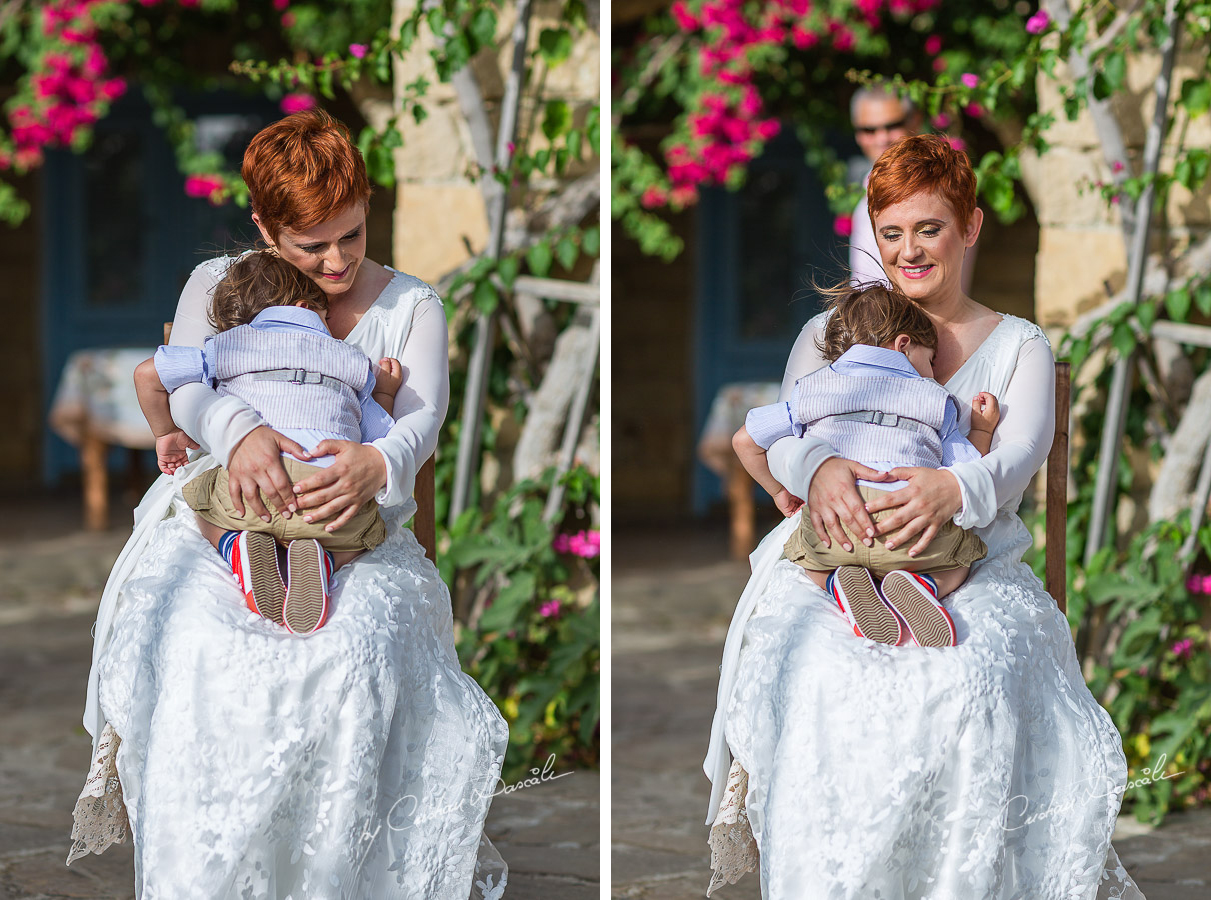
(207, 495)
(951, 548)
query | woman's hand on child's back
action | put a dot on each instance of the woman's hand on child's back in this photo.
(172, 450)
(255, 466)
(835, 504)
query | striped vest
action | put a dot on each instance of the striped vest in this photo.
(826, 393)
(243, 350)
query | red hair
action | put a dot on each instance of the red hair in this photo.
(303, 170)
(923, 163)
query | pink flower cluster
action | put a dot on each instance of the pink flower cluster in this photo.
(730, 123)
(585, 544)
(297, 102)
(1183, 649)
(1038, 23)
(1198, 584)
(549, 609)
(209, 186)
(68, 86)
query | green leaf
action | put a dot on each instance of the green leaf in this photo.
(1178, 304)
(507, 606)
(1146, 315)
(567, 252)
(591, 243)
(483, 26)
(1196, 95)
(508, 268)
(555, 45)
(538, 258)
(485, 298)
(1202, 298)
(1123, 339)
(557, 119)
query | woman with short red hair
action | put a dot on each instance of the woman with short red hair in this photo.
(857, 769)
(358, 761)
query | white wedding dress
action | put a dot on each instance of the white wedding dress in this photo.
(355, 762)
(850, 769)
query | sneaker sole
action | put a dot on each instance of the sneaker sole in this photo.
(305, 607)
(870, 614)
(928, 623)
(261, 560)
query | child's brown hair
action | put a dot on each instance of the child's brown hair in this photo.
(873, 314)
(257, 281)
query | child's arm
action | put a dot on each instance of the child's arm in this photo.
(985, 414)
(752, 457)
(388, 378)
(172, 444)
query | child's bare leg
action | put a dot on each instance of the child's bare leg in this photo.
(210, 531)
(341, 557)
(820, 579)
(950, 580)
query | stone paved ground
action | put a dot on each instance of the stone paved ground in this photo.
(672, 600)
(51, 575)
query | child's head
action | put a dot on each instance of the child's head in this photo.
(878, 316)
(257, 281)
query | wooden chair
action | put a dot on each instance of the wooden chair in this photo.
(424, 524)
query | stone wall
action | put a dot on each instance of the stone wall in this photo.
(1082, 257)
(440, 218)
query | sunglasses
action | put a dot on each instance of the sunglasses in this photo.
(887, 126)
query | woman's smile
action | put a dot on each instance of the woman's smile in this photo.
(337, 276)
(916, 272)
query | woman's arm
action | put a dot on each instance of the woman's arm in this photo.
(386, 469)
(970, 493)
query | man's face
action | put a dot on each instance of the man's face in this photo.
(879, 122)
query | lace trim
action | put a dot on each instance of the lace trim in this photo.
(99, 818)
(733, 849)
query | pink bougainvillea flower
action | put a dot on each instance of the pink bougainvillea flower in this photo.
(974, 110)
(933, 45)
(1194, 584)
(653, 197)
(940, 64)
(1117, 166)
(970, 79)
(686, 20)
(358, 51)
(843, 40)
(586, 544)
(209, 186)
(683, 195)
(957, 142)
(549, 609)
(844, 225)
(298, 102)
(280, 5)
(941, 121)
(288, 20)
(1183, 649)
(802, 38)
(1038, 23)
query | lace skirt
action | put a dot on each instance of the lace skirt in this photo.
(985, 770)
(358, 761)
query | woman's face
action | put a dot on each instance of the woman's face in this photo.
(329, 253)
(921, 243)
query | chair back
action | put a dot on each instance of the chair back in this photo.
(424, 525)
(1055, 554)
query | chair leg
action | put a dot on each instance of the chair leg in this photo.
(742, 510)
(95, 480)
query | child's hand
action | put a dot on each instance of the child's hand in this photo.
(788, 504)
(985, 412)
(389, 377)
(172, 450)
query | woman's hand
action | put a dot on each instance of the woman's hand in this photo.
(255, 465)
(834, 501)
(340, 489)
(930, 500)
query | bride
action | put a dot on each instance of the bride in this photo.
(851, 769)
(355, 762)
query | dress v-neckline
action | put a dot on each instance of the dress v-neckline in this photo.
(362, 318)
(974, 353)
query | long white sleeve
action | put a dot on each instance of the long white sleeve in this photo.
(217, 423)
(420, 405)
(1020, 443)
(793, 460)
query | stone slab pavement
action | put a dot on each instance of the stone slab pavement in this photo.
(673, 594)
(51, 576)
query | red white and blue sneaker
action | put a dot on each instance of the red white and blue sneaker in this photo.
(307, 596)
(855, 592)
(253, 558)
(914, 597)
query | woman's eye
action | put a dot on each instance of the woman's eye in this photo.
(353, 235)
(313, 248)
(891, 235)
(930, 232)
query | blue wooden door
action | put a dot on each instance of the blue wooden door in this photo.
(759, 250)
(120, 236)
